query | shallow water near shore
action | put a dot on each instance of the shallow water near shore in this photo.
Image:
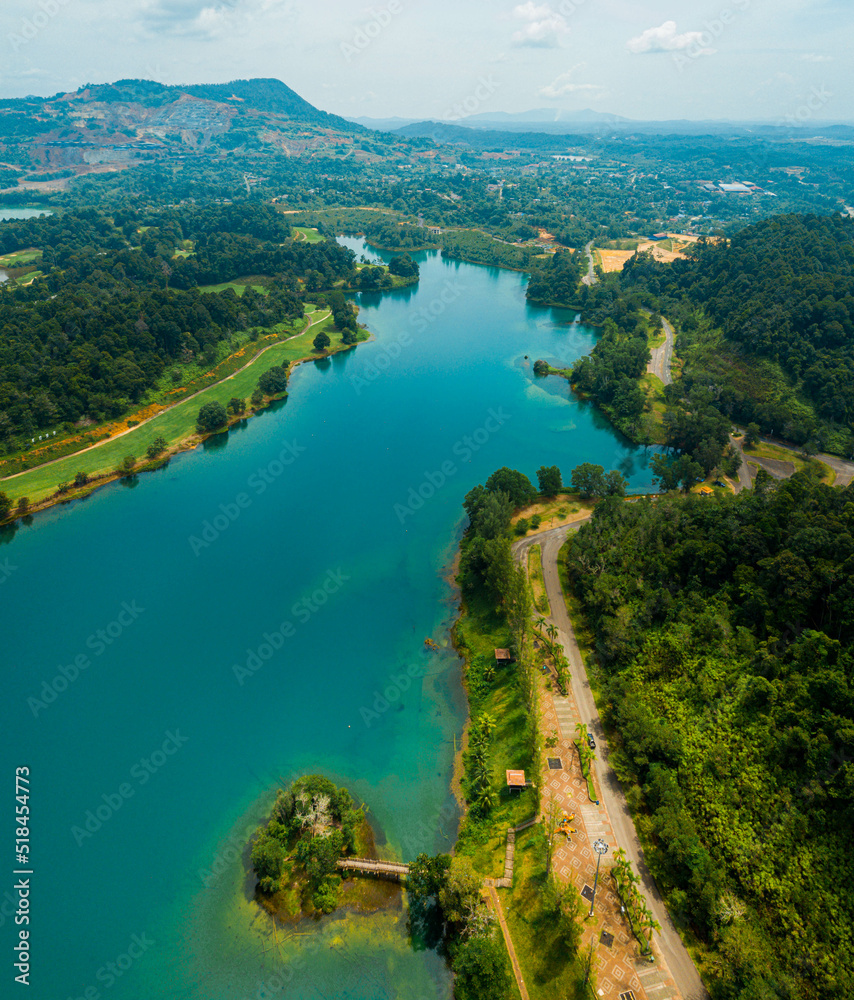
(175, 650)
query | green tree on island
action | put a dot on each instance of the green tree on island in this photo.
(311, 826)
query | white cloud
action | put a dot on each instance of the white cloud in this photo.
(564, 84)
(666, 38)
(543, 27)
(812, 57)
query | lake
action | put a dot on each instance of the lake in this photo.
(7, 214)
(178, 645)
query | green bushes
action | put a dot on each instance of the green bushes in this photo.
(311, 825)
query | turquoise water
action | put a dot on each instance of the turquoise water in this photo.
(22, 213)
(321, 527)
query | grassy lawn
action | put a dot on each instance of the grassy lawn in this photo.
(175, 424)
(652, 423)
(538, 584)
(308, 234)
(238, 285)
(551, 967)
(762, 449)
(19, 258)
(553, 511)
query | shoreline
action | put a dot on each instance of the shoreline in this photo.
(184, 445)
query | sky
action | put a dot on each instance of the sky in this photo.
(783, 61)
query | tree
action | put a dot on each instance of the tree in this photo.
(549, 480)
(236, 405)
(588, 480)
(427, 875)
(460, 896)
(481, 970)
(321, 341)
(268, 857)
(127, 466)
(157, 447)
(273, 381)
(751, 436)
(23, 506)
(211, 417)
(515, 484)
(80, 479)
(5, 506)
(403, 266)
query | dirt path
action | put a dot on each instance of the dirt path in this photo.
(505, 930)
(589, 278)
(675, 955)
(166, 409)
(662, 357)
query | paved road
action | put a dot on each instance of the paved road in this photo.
(662, 357)
(589, 278)
(675, 954)
(843, 468)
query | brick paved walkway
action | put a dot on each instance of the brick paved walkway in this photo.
(617, 962)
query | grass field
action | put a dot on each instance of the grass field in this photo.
(308, 234)
(175, 424)
(238, 286)
(550, 966)
(763, 449)
(19, 258)
(538, 583)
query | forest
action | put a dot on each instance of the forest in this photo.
(782, 294)
(723, 630)
(119, 301)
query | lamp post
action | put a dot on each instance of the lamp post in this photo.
(600, 847)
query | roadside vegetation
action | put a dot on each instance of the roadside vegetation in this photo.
(722, 630)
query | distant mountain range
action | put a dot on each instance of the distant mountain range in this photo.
(557, 121)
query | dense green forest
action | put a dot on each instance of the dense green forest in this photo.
(782, 293)
(555, 280)
(723, 630)
(119, 301)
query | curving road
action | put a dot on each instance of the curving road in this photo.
(662, 357)
(680, 963)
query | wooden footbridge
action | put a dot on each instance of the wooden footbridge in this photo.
(393, 870)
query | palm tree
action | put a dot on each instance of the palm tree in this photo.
(552, 631)
(540, 622)
(581, 731)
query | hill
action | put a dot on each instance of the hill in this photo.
(109, 126)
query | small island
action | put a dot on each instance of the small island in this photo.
(312, 826)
